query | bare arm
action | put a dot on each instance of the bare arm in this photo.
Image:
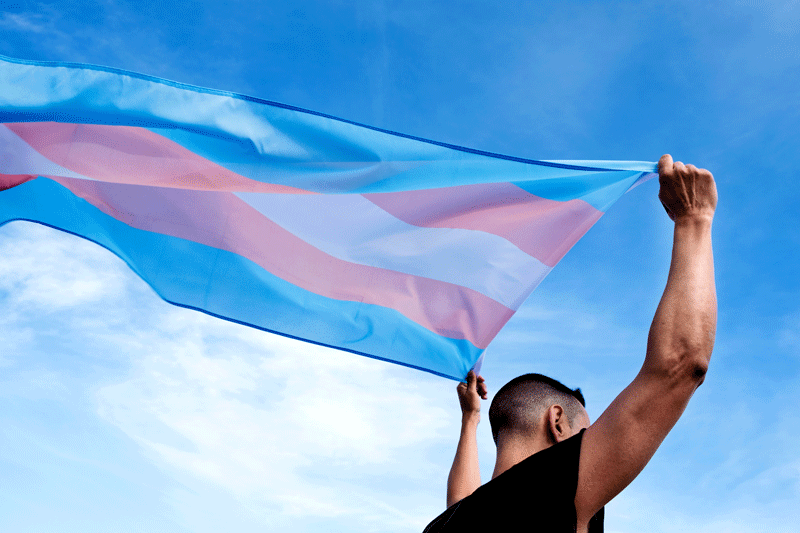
(465, 474)
(621, 442)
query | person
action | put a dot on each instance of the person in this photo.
(555, 471)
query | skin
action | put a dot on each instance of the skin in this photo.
(511, 451)
(618, 445)
(465, 475)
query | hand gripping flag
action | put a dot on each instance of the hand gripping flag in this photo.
(291, 221)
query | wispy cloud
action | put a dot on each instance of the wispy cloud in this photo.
(289, 431)
(258, 414)
(253, 432)
(26, 22)
(43, 271)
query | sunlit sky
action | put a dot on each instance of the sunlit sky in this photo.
(119, 412)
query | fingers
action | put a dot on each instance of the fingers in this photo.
(685, 190)
(706, 173)
(482, 390)
(480, 387)
(474, 384)
(667, 166)
(700, 172)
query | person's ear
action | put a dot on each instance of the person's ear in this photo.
(557, 424)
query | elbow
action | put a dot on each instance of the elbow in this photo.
(695, 358)
(683, 358)
(683, 365)
(691, 365)
(698, 370)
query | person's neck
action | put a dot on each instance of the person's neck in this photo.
(514, 451)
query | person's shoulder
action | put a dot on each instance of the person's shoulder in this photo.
(618, 445)
(437, 524)
(457, 517)
(555, 455)
(541, 483)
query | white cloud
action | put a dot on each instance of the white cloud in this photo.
(636, 510)
(15, 338)
(256, 414)
(273, 431)
(565, 322)
(42, 270)
(287, 430)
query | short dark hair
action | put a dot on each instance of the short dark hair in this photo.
(519, 403)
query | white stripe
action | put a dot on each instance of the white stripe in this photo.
(18, 157)
(351, 228)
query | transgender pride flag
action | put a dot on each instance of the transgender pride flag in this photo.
(291, 221)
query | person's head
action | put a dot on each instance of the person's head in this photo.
(534, 405)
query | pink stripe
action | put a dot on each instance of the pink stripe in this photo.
(12, 180)
(222, 220)
(126, 154)
(545, 229)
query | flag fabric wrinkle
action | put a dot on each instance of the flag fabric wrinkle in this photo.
(291, 221)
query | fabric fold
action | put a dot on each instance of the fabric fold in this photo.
(294, 222)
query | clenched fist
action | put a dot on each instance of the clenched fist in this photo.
(470, 394)
(686, 191)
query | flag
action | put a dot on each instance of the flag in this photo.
(295, 222)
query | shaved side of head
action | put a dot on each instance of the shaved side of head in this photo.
(518, 406)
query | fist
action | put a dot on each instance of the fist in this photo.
(471, 393)
(686, 191)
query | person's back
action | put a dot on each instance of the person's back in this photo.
(553, 466)
(510, 502)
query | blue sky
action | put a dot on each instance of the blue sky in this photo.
(120, 412)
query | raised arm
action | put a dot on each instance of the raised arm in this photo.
(621, 442)
(465, 474)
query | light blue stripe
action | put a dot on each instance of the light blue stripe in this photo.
(640, 166)
(280, 144)
(599, 190)
(418, 170)
(229, 286)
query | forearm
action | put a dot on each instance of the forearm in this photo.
(465, 475)
(684, 326)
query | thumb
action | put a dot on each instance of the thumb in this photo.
(472, 381)
(665, 164)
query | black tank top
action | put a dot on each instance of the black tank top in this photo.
(535, 495)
